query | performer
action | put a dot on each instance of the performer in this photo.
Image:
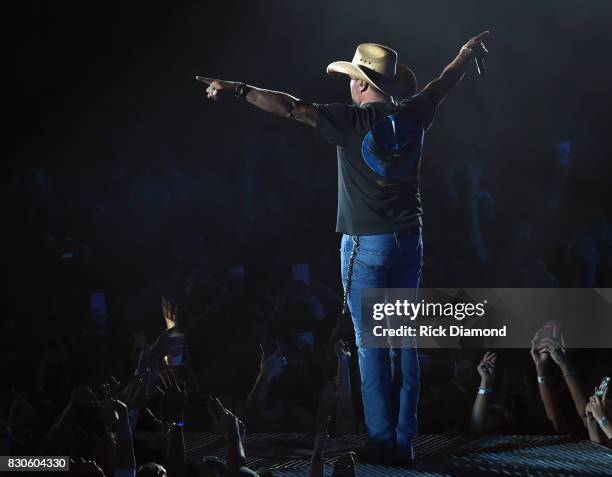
(379, 139)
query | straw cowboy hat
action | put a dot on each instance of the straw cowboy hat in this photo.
(377, 65)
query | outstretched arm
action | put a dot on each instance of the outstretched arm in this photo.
(270, 368)
(275, 102)
(598, 409)
(558, 353)
(542, 361)
(439, 88)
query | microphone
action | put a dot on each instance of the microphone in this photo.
(480, 66)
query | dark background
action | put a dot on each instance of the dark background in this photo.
(115, 156)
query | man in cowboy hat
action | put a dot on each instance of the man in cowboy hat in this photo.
(379, 141)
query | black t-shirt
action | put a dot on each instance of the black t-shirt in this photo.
(379, 153)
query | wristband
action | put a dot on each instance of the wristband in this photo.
(484, 390)
(541, 379)
(569, 373)
(241, 90)
(603, 422)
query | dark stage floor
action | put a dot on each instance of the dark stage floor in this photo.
(438, 455)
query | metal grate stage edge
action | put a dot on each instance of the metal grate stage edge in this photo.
(287, 455)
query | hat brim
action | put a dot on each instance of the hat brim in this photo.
(402, 85)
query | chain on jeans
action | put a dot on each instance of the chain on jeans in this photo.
(349, 274)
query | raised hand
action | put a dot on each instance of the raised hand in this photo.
(152, 361)
(224, 421)
(136, 397)
(84, 468)
(343, 329)
(170, 312)
(540, 357)
(486, 369)
(173, 392)
(232, 430)
(139, 391)
(272, 366)
(120, 409)
(106, 411)
(556, 350)
(476, 46)
(216, 87)
(342, 351)
(596, 406)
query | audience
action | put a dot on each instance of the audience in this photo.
(119, 395)
(129, 406)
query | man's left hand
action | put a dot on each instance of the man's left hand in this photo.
(476, 45)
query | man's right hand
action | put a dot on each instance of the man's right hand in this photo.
(217, 87)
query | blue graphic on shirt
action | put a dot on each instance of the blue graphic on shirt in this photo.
(392, 148)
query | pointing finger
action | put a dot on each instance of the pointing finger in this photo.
(481, 35)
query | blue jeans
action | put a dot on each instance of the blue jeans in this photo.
(389, 376)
